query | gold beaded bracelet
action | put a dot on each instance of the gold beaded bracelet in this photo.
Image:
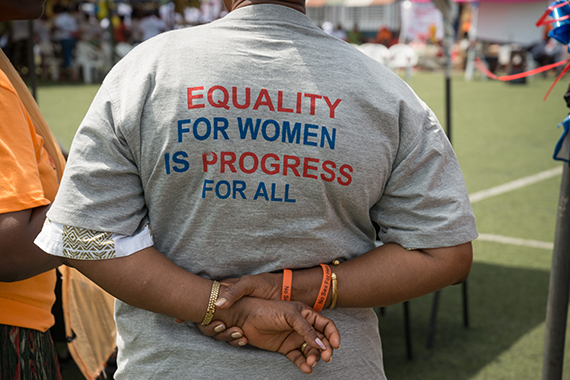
(211, 307)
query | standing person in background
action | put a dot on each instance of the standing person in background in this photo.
(136, 18)
(48, 61)
(151, 25)
(339, 32)
(65, 31)
(122, 37)
(384, 36)
(32, 165)
(122, 32)
(355, 36)
(20, 36)
(88, 30)
(258, 148)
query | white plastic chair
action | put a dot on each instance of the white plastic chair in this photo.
(91, 60)
(402, 56)
(378, 52)
(122, 49)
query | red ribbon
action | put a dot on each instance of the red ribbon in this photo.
(505, 78)
(541, 21)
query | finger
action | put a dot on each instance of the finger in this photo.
(300, 361)
(300, 323)
(323, 324)
(232, 334)
(229, 281)
(294, 343)
(326, 355)
(218, 331)
(302, 319)
(321, 343)
(312, 356)
(243, 287)
(241, 342)
(330, 330)
(212, 329)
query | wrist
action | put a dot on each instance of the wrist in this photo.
(228, 315)
(306, 285)
(324, 289)
(211, 309)
(286, 285)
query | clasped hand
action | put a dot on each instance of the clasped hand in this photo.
(252, 307)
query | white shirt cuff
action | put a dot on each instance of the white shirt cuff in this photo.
(83, 244)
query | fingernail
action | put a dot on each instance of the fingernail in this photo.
(219, 328)
(241, 343)
(236, 335)
(220, 302)
(321, 345)
(314, 364)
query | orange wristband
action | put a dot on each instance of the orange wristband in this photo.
(325, 287)
(286, 289)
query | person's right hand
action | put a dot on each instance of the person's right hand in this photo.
(283, 327)
(234, 336)
(263, 285)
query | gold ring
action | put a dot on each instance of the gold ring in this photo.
(303, 346)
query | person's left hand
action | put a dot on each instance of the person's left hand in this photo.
(234, 336)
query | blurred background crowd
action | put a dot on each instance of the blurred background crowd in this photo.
(79, 41)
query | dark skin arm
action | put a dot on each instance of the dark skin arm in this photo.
(383, 276)
(21, 258)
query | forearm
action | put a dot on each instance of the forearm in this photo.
(21, 258)
(150, 281)
(387, 275)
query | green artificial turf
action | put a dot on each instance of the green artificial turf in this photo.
(64, 106)
(501, 133)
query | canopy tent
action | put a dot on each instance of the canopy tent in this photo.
(366, 3)
(346, 3)
(322, 3)
(510, 21)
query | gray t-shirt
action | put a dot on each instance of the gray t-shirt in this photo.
(252, 144)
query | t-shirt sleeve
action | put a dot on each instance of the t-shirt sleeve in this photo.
(84, 244)
(425, 202)
(101, 189)
(20, 182)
